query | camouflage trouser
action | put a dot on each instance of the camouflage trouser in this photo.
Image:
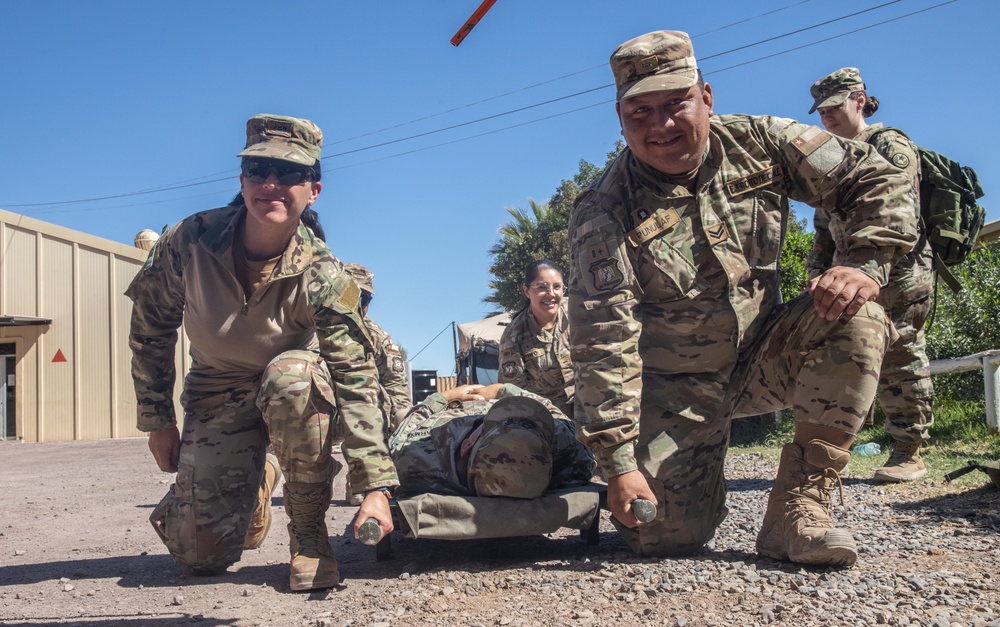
(827, 371)
(905, 391)
(204, 517)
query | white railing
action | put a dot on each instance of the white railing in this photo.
(989, 361)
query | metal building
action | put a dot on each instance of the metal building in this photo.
(64, 320)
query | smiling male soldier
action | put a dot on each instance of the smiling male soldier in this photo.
(676, 319)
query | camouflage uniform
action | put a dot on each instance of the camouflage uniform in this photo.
(905, 390)
(538, 360)
(676, 319)
(426, 446)
(391, 374)
(250, 378)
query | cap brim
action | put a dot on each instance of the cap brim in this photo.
(681, 79)
(280, 151)
(831, 101)
(520, 408)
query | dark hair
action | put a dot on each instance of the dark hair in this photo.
(532, 269)
(531, 272)
(309, 217)
(870, 106)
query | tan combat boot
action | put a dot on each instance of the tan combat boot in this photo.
(313, 565)
(904, 464)
(260, 519)
(797, 525)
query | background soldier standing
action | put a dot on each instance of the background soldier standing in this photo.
(905, 391)
(675, 315)
(388, 358)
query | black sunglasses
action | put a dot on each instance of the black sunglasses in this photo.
(288, 173)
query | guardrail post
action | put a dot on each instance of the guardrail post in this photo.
(991, 384)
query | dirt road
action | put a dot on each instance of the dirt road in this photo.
(76, 549)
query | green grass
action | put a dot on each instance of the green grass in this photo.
(959, 434)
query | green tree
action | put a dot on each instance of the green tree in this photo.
(792, 272)
(538, 233)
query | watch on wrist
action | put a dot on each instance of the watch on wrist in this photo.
(386, 491)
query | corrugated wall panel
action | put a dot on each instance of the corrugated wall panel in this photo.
(57, 381)
(20, 274)
(94, 344)
(125, 270)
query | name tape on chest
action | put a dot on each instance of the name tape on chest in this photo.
(653, 227)
(754, 181)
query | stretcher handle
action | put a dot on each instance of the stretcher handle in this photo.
(370, 532)
(643, 510)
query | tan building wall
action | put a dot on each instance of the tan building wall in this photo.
(62, 306)
(990, 232)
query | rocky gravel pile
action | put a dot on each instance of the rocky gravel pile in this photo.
(75, 550)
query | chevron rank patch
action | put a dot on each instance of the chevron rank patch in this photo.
(717, 233)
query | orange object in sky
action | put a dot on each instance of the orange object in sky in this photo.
(471, 22)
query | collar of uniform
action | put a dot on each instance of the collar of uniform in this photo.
(661, 184)
(868, 131)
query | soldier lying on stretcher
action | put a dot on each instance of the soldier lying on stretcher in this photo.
(496, 440)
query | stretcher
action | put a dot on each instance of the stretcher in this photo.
(439, 517)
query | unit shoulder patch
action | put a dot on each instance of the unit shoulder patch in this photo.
(810, 139)
(900, 160)
(510, 368)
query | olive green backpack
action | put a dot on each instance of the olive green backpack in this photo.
(949, 214)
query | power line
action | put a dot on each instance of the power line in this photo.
(549, 81)
(521, 109)
(446, 327)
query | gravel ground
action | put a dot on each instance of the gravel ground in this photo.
(75, 549)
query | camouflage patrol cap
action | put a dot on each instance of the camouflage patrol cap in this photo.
(362, 276)
(659, 61)
(834, 89)
(282, 137)
(513, 456)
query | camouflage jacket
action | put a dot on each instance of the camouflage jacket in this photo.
(669, 289)
(426, 446)
(190, 278)
(911, 277)
(391, 374)
(537, 360)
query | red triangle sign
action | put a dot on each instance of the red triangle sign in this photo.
(59, 356)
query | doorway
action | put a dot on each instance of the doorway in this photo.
(8, 392)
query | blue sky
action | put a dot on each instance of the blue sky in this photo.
(106, 99)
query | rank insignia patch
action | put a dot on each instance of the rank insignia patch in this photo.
(717, 233)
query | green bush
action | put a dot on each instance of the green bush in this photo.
(966, 323)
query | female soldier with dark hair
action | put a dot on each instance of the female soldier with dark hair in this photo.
(279, 355)
(904, 389)
(534, 348)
